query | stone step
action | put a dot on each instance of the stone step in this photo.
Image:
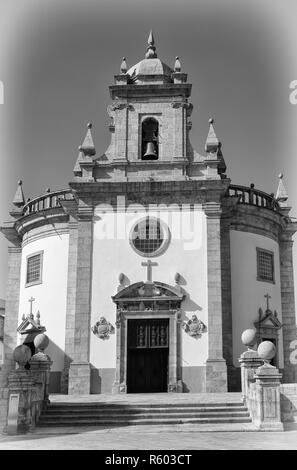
(115, 410)
(123, 416)
(144, 405)
(151, 421)
(144, 410)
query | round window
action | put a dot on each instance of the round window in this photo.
(149, 236)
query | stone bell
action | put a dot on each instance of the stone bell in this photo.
(150, 150)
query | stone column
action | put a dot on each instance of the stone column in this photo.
(288, 304)
(10, 325)
(267, 399)
(216, 370)
(79, 301)
(249, 362)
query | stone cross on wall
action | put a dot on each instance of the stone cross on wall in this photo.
(149, 264)
(267, 297)
(31, 300)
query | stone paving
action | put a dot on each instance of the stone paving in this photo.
(153, 438)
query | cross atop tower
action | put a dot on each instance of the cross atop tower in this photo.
(149, 264)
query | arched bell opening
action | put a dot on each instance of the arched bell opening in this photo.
(150, 139)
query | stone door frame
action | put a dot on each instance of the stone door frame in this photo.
(174, 356)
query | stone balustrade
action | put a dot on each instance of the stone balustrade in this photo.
(250, 195)
(49, 200)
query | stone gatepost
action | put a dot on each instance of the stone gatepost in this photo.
(267, 394)
(21, 390)
(249, 361)
(28, 387)
(264, 394)
(40, 366)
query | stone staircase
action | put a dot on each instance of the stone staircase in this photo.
(166, 410)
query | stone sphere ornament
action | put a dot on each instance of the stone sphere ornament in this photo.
(22, 354)
(266, 350)
(41, 342)
(249, 337)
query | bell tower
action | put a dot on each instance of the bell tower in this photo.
(149, 125)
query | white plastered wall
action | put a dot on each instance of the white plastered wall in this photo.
(50, 296)
(247, 292)
(187, 256)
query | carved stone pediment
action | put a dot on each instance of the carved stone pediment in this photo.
(148, 289)
(30, 325)
(148, 296)
(268, 320)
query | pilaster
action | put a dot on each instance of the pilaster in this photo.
(216, 370)
(288, 304)
(79, 302)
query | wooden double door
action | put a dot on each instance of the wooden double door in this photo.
(148, 353)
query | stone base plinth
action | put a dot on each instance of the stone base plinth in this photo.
(119, 388)
(79, 378)
(267, 416)
(216, 376)
(175, 387)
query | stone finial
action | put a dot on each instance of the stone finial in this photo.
(22, 355)
(151, 50)
(281, 194)
(124, 65)
(38, 318)
(41, 342)
(88, 147)
(77, 169)
(266, 350)
(249, 338)
(212, 142)
(19, 199)
(177, 64)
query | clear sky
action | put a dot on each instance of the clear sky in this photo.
(58, 57)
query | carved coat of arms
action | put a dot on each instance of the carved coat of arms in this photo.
(102, 328)
(194, 327)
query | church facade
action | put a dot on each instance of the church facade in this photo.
(147, 269)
